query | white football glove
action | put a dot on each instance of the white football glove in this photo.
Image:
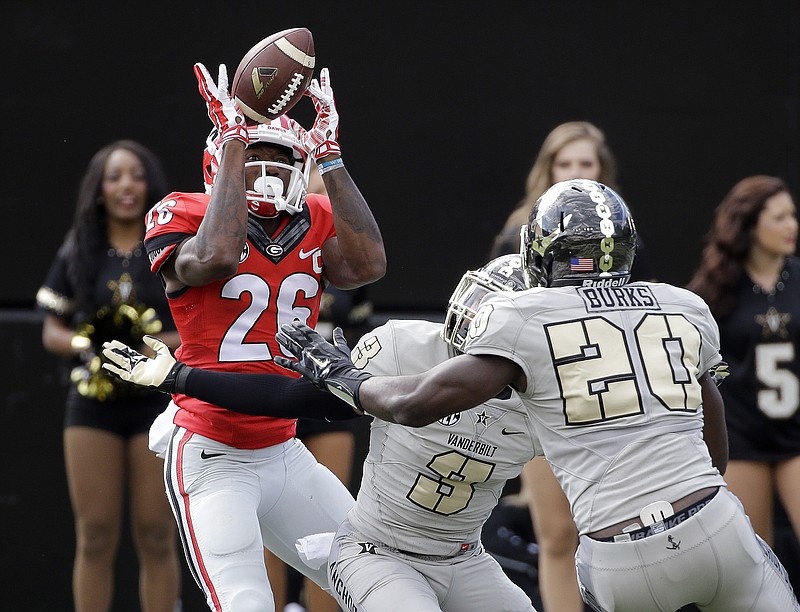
(321, 139)
(162, 372)
(222, 111)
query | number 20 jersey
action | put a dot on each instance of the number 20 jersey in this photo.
(429, 490)
(612, 375)
(230, 325)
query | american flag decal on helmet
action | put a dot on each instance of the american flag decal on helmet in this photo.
(581, 264)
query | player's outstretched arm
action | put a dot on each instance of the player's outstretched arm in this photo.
(457, 384)
(356, 255)
(213, 253)
(327, 366)
(256, 394)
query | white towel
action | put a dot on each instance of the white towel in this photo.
(314, 549)
(161, 430)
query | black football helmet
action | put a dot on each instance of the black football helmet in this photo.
(580, 232)
(501, 274)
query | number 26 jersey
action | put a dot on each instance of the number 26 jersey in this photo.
(230, 324)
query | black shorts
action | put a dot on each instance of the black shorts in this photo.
(125, 417)
(763, 448)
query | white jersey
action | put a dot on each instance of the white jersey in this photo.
(429, 490)
(610, 360)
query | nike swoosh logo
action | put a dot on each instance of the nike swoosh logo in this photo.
(321, 363)
(304, 255)
(506, 432)
(205, 455)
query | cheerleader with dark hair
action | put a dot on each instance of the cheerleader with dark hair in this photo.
(750, 278)
(100, 287)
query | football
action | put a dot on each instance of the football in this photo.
(274, 74)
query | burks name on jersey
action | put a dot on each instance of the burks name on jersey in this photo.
(629, 297)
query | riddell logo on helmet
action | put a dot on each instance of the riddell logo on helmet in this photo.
(604, 282)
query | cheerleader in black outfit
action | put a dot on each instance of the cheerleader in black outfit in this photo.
(100, 287)
(750, 278)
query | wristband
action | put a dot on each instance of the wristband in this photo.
(329, 147)
(327, 166)
(179, 373)
(233, 132)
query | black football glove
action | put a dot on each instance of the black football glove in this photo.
(327, 366)
(162, 372)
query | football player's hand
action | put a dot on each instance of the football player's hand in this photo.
(222, 111)
(162, 372)
(720, 372)
(321, 140)
(326, 365)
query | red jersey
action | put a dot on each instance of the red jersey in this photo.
(230, 325)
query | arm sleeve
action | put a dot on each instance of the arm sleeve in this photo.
(266, 395)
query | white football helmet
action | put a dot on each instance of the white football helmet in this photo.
(501, 274)
(269, 195)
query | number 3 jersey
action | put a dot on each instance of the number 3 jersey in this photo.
(428, 490)
(230, 325)
(612, 383)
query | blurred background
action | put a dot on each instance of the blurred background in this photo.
(443, 108)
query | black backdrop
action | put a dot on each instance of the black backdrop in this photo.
(443, 106)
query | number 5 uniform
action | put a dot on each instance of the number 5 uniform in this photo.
(760, 341)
